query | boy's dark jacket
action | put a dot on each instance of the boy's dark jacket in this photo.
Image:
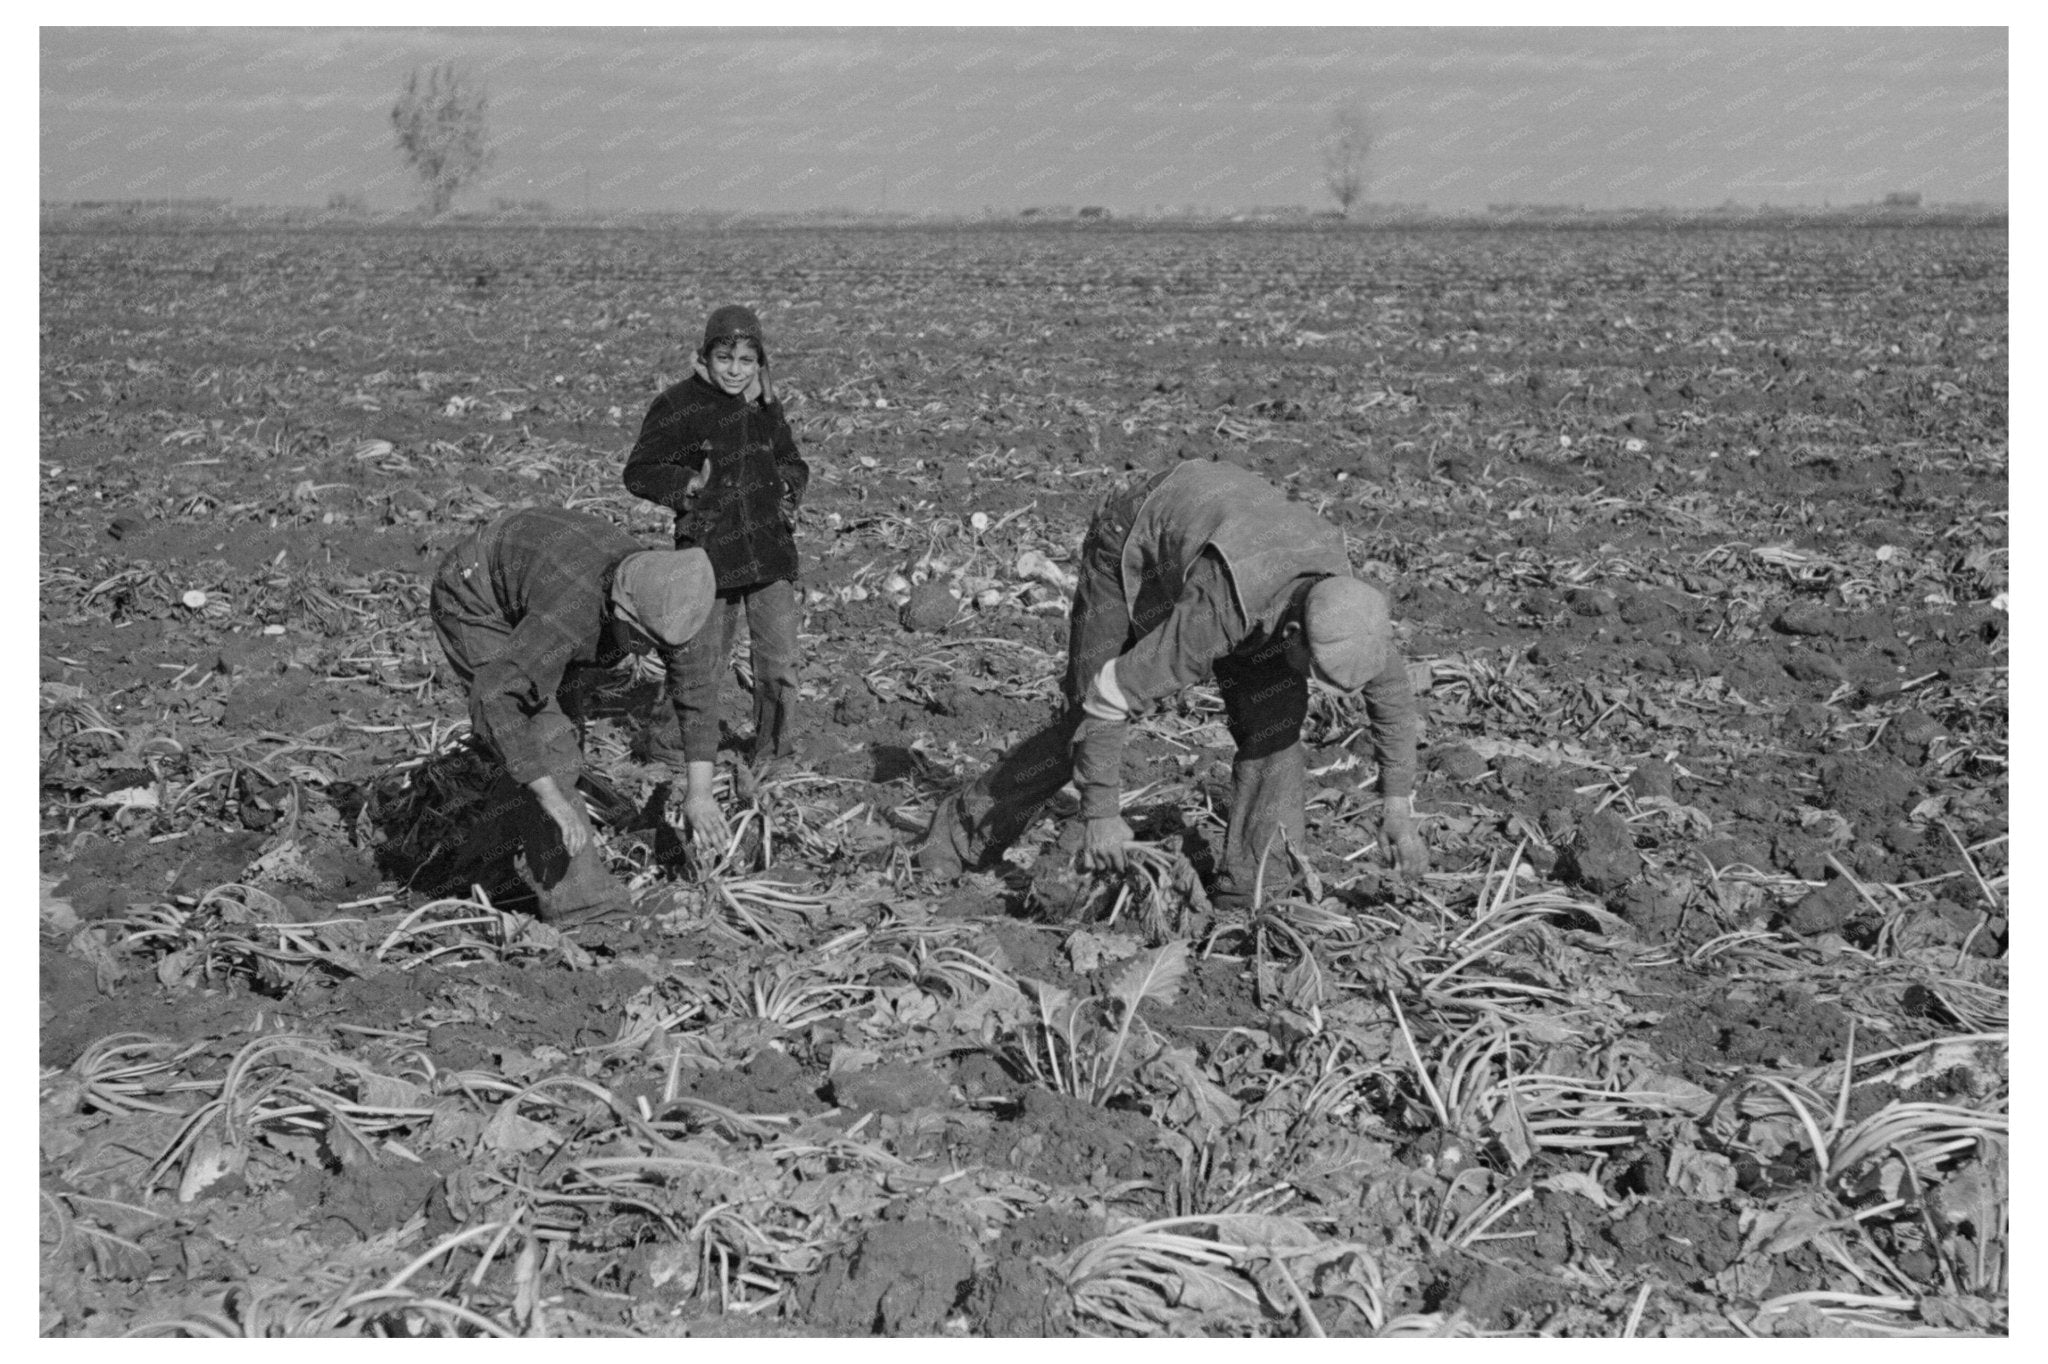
(739, 517)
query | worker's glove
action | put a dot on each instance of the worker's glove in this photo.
(1104, 843)
(1401, 836)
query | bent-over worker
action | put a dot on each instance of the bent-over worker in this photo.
(1203, 571)
(522, 607)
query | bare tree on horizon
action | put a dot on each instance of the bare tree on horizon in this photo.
(1346, 146)
(440, 125)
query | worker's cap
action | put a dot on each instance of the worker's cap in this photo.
(1350, 633)
(666, 594)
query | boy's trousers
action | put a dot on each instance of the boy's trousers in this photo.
(771, 612)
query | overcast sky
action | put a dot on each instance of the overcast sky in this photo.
(957, 120)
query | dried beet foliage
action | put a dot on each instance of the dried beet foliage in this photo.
(1699, 542)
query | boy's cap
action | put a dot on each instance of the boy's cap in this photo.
(1350, 633)
(731, 322)
(665, 593)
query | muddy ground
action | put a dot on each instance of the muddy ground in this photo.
(1698, 541)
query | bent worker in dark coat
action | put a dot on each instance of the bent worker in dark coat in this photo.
(522, 607)
(1205, 570)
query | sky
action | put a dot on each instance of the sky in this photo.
(966, 120)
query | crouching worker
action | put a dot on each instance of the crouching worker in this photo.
(523, 606)
(1203, 571)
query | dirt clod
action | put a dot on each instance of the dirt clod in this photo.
(898, 1279)
(893, 1087)
(1602, 855)
(1653, 910)
(1654, 777)
(1825, 909)
(931, 608)
(1016, 1296)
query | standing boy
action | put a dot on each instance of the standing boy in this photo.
(1203, 571)
(722, 430)
(521, 605)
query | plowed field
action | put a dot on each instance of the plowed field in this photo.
(1698, 542)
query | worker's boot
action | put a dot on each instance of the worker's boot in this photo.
(567, 890)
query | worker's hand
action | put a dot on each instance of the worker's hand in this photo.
(567, 813)
(1104, 843)
(705, 824)
(703, 821)
(1402, 837)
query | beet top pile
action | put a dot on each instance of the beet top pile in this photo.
(1697, 541)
